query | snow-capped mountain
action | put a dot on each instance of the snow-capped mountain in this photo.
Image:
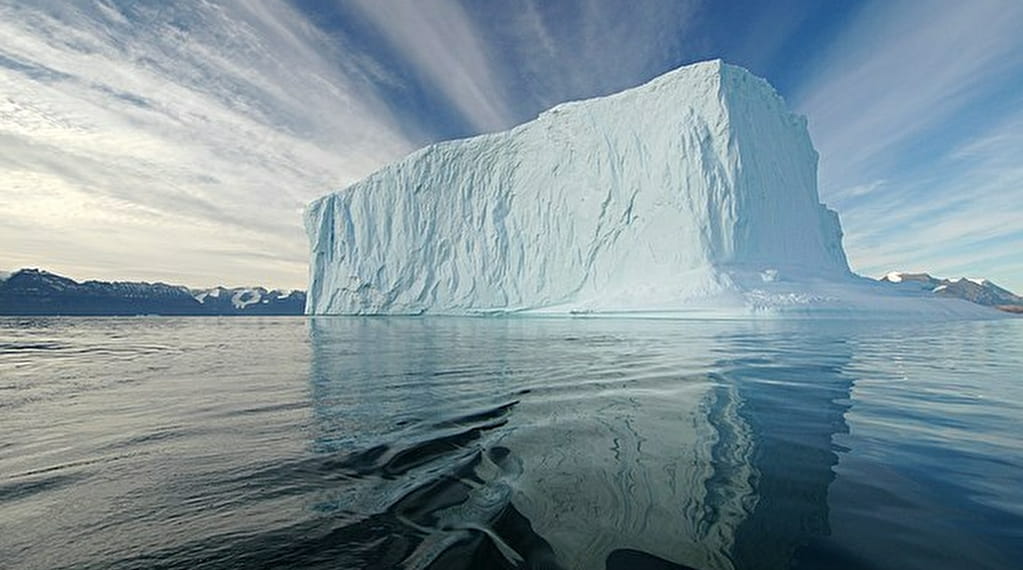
(694, 193)
(975, 290)
(251, 299)
(36, 292)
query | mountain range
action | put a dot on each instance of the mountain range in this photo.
(37, 292)
(980, 291)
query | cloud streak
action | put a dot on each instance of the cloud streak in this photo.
(914, 115)
(967, 223)
(439, 40)
(140, 132)
(902, 69)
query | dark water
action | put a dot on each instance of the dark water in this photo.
(509, 443)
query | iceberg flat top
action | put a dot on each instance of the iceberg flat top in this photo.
(696, 191)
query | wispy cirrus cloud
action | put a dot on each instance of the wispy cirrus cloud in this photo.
(136, 138)
(441, 43)
(964, 218)
(915, 113)
(903, 69)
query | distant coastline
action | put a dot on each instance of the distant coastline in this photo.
(34, 292)
(979, 291)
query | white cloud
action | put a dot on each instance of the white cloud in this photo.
(176, 139)
(966, 218)
(900, 69)
(440, 40)
(858, 190)
(910, 75)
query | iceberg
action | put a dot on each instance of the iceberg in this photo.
(695, 193)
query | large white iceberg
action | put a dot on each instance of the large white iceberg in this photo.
(694, 193)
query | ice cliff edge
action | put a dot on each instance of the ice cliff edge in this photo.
(686, 192)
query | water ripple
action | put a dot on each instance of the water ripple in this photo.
(438, 443)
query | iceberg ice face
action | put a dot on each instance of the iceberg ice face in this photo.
(658, 198)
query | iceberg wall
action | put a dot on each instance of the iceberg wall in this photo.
(670, 196)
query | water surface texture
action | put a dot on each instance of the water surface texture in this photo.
(509, 443)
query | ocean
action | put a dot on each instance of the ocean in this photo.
(547, 443)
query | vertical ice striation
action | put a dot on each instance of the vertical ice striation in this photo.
(657, 198)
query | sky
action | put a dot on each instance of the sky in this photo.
(180, 141)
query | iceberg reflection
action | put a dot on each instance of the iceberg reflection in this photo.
(575, 443)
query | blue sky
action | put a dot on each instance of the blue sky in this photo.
(179, 141)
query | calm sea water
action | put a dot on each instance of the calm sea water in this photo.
(509, 443)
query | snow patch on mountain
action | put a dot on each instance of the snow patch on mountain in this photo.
(245, 297)
(975, 290)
